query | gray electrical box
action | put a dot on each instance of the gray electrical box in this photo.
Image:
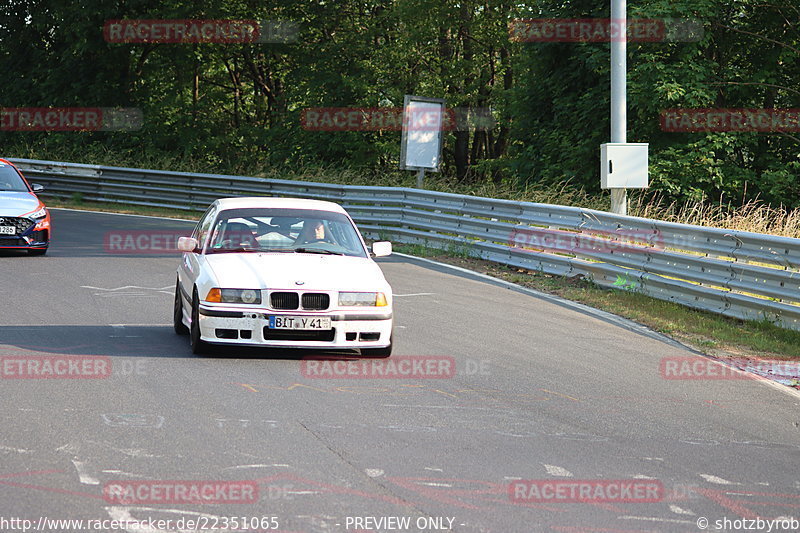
(624, 165)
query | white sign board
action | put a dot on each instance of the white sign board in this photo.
(421, 145)
(624, 165)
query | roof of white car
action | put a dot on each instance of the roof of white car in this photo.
(278, 203)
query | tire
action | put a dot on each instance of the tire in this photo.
(177, 312)
(199, 346)
(37, 251)
(378, 353)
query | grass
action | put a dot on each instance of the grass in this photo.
(709, 333)
(753, 216)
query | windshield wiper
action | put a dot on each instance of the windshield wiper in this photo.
(316, 251)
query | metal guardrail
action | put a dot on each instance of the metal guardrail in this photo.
(734, 273)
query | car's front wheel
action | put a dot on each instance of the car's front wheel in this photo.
(199, 346)
(177, 312)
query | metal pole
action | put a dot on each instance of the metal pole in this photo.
(619, 90)
(420, 178)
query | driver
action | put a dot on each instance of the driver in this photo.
(313, 231)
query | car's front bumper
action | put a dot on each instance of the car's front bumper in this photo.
(30, 235)
(349, 329)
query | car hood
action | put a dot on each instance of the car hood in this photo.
(14, 204)
(284, 270)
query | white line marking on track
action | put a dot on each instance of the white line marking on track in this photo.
(128, 290)
(83, 474)
(717, 480)
(70, 447)
(138, 325)
(656, 519)
(444, 407)
(242, 422)
(127, 287)
(677, 510)
(448, 485)
(642, 476)
(9, 449)
(557, 471)
(114, 294)
(255, 466)
(133, 420)
(373, 472)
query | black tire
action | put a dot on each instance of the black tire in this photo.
(177, 312)
(199, 346)
(37, 251)
(378, 353)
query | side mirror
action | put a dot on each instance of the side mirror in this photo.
(37, 188)
(381, 248)
(187, 244)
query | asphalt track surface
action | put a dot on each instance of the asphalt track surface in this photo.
(541, 392)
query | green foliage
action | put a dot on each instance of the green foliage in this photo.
(222, 106)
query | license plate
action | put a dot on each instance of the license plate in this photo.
(299, 322)
(8, 230)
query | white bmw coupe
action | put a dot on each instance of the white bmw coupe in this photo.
(282, 272)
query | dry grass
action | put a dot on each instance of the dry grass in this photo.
(753, 216)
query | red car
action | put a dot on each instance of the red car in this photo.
(24, 219)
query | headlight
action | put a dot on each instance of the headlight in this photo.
(234, 296)
(372, 299)
(39, 213)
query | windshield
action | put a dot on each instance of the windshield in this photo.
(285, 231)
(10, 180)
